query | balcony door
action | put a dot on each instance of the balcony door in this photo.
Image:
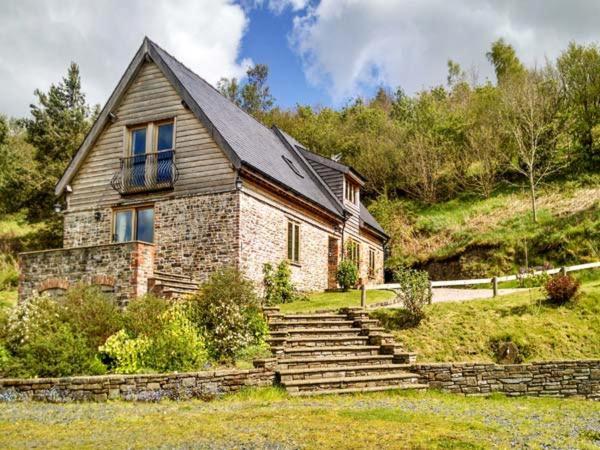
(164, 149)
(138, 152)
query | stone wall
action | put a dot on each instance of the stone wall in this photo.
(152, 387)
(552, 378)
(82, 228)
(196, 235)
(120, 268)
(263, 234)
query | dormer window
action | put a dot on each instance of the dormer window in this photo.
(350, 191)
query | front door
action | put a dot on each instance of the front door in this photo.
(332, 262)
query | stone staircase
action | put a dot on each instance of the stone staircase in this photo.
(170, 285)
(342, 352)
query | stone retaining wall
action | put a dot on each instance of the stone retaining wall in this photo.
(551, 378)
(121, 268)
(205, 385)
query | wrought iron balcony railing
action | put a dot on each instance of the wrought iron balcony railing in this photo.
(146, 172)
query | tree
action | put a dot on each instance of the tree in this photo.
(531, 110)
(58, 125)
(254, 95)
(505, 61)
(579, 69)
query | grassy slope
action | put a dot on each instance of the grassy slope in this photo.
(334, 300)
(463, 331)
(471, 236)
(269, 419)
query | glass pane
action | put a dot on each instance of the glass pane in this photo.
(290, 245)
(123, 226)
(296, 243)
(145, 225)
(165, 137)
(138, 141)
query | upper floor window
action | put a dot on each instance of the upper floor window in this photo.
(134, 224)
(350, 191)
(293, 242)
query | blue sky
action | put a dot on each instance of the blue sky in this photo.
(320, 52)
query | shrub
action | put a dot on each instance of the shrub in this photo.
(143, 315)
(93, 313)
(125, 354)
(415, 291)
(9, 275)
(347, 274)
(226, 309)
(278, 284)
(4, 359)
(503, 344)
(561, 289)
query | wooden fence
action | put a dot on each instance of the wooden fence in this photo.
(473, 282)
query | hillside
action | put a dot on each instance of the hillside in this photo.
(467, 331)
(470, 236)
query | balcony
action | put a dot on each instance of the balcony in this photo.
(146, 172)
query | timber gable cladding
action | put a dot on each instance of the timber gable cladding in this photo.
(203, 166)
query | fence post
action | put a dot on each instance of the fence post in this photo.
(363, 295)
(563, 270)
(495, 286)
(430, 292)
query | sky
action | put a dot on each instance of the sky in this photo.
(319, 52)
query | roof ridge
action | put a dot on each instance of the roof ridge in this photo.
(209, 84)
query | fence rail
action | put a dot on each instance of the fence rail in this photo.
(476, 281)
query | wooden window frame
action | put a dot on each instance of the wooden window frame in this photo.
(151, 127)
(372, 256)
(134, 209)
(350, 193)
(353, 252)
(293, 242)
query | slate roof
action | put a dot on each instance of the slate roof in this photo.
(367, 219)
(254, 144)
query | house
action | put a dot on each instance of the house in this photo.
(174, 181)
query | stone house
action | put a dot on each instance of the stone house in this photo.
(174, 181)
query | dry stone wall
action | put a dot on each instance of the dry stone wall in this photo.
(551, 378)
(153, 387)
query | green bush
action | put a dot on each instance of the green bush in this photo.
(415, 291)
(347, 274)
(227, 311)
(561, 289)
(125, 354)
(143, 315)
(278, 284)
(4, 360)
(9, 275)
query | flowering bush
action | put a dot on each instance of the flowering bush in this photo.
(227, 311)
(125, 354)
(560, 289)
(347, 274)
(278, 284)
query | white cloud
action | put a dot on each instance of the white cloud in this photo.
(39, 39)
(276, 6)
(346, 44)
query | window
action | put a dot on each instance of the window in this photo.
(350, 191)
(353, 252)
(293, 242)
(371, 263)
(135, 224)
(151, 158)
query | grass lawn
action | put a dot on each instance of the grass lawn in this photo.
(464, 331)
(267, 418)
(334, 300)
(8, 298)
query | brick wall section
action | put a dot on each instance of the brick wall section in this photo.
(552, 378)
(263, 239)
(196, 235)
(124, 268)
(152, 387)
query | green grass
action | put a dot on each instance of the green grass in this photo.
(334, 300)
(8, 298)
(465, 331)
(269, 419)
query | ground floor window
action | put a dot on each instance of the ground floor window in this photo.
(353, 252)
(134, 224)
(293, 242)
(371, 263)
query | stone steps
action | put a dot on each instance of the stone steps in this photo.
(359, 390)
(341, 352)
(367, 381)
(171, 285)
(339, 371)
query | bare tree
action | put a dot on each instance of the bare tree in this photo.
(531, 105)
(484, 144)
